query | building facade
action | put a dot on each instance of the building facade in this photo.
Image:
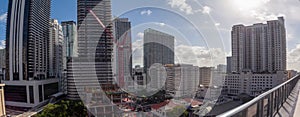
(258, 58)
(55, 52)
(139, 78)
(221, 68)
(229, 67)
(252, 84)
(27, 81)
(90, 74)
(205, 76)
(2, 59)
(2, 64)
(69, 29)
(93, 66)
(186, 80)
(122, 34)
(55, 47)
(158, 49)
(260, 48)
(182, 80)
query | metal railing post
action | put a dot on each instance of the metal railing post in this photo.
(259, 108)
(270, 105)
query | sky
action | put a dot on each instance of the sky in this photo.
(201, 27)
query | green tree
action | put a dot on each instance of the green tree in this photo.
(65, 108)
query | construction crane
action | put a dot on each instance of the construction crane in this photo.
(120, 46)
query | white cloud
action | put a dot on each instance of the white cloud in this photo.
(160, 24)
(217, 24)
(140, 35)
(265, 15)
(290, 36)
(206, 10)
(146, 12)
(199, 56)
(293, 59)
(2, 44)
(3, 17)
(182, 5)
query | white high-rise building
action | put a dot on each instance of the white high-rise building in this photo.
(258, 61)
(56, 42)
(260, 48)
(55, 52)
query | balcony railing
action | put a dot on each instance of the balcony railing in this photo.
(266, 104)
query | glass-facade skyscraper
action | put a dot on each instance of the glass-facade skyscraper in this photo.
(122, 34)
(158, 48)
(158, 51)
(70, 36)
(27, 81)
(70, 49)
(93, 66)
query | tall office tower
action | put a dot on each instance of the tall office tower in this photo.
(70, 40)
(27, 34)
(205, 76)
(122, 32)
(95, 45)
(158, 49)
(70, 48)
(55, 52)
(90, 74)
(259, 48)
(55, 47)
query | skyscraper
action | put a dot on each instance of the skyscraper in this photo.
(93, 66)
(69, 29)
(55, 47)
(55, 52)
(260, 47)
(27, 34)
(122, 32)
(258, 57)
(158, 48)
(90, 74)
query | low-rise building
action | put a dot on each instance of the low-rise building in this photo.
(205, 76)
(252, 84)
(182, 80)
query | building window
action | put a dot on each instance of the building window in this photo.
(15, 93)
(40, 93)
(31, 94)
(50, 89)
